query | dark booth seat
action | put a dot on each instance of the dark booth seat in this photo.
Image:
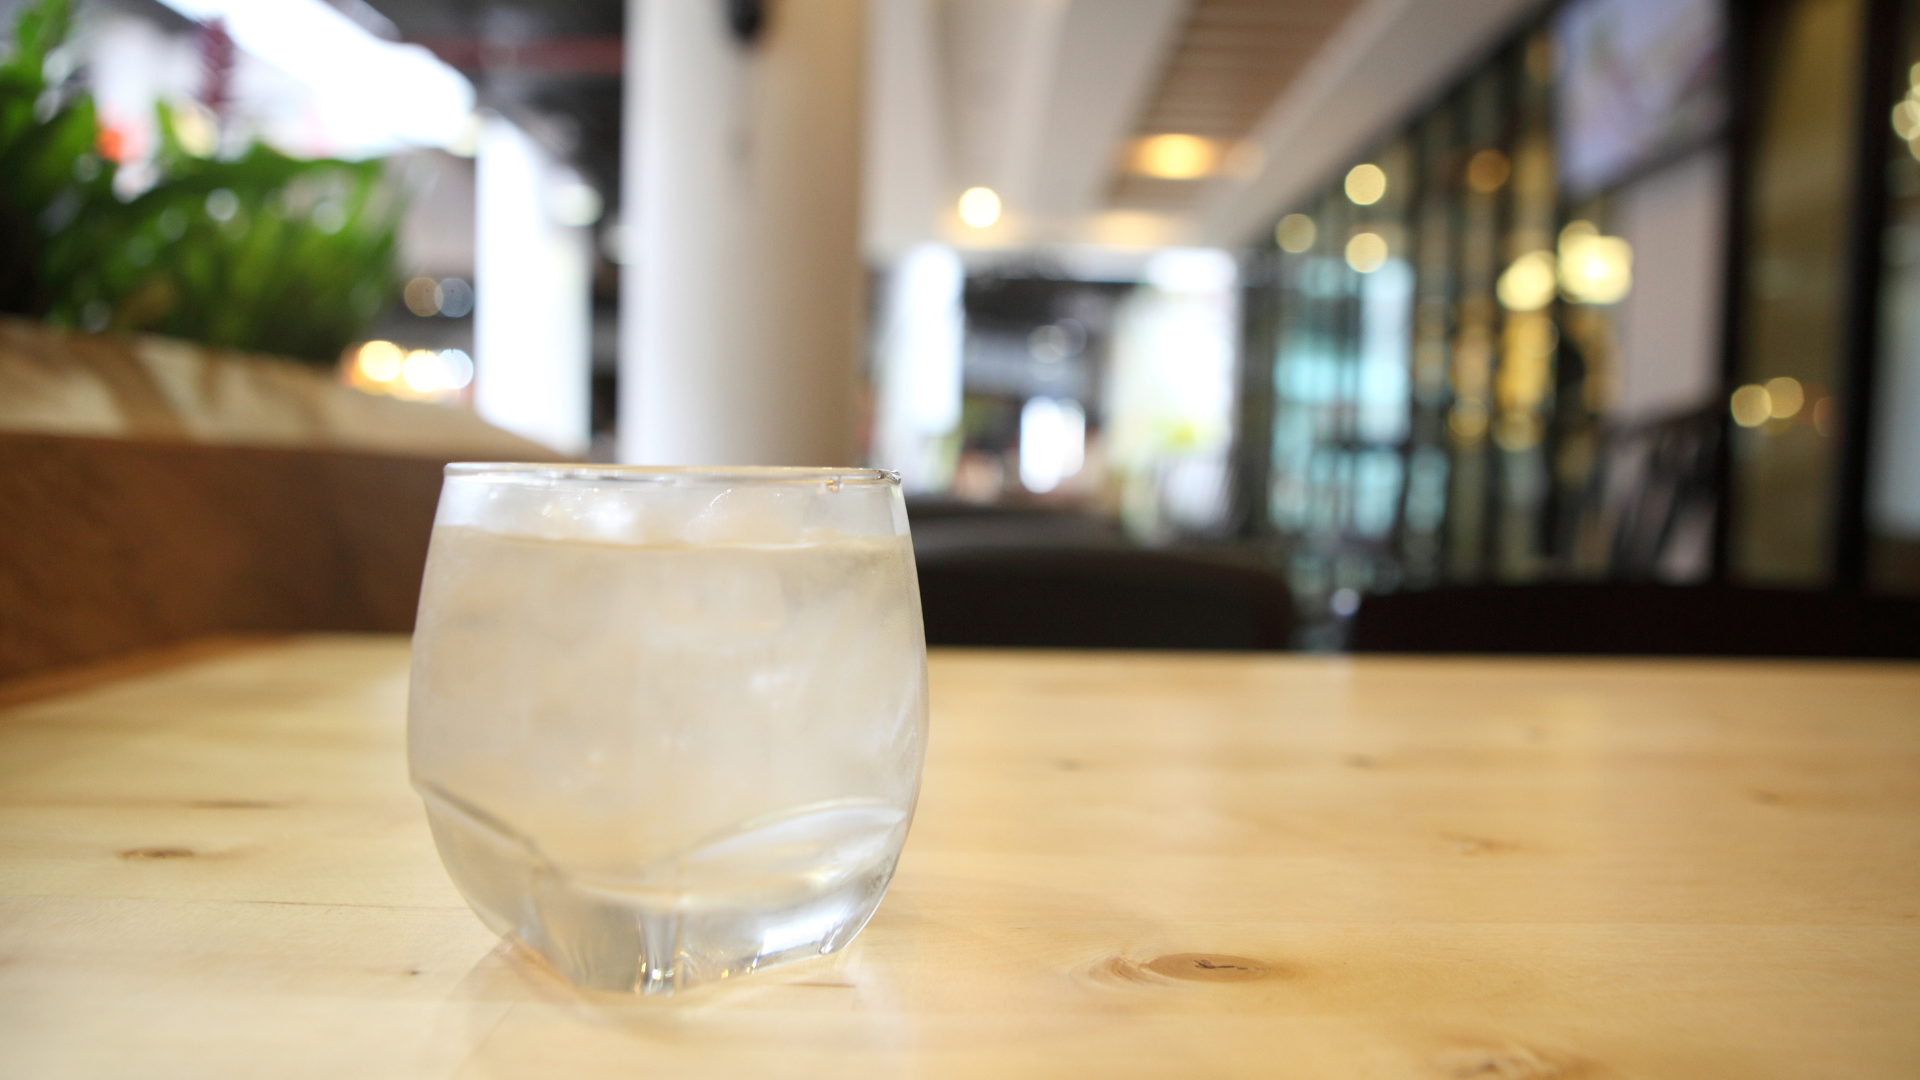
(1099, 598)
(1639, 619)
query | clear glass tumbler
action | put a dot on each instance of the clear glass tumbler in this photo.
(669, 723)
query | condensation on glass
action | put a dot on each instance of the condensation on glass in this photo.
(669, 723)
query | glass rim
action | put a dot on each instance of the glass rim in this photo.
(549, 472)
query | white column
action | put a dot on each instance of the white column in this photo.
(742, 306)
(533, 297)
(918, 397)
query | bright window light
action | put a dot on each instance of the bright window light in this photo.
(1192, 270)
(373, 95)
(1053, 442)
(533, 312)
(920, 348)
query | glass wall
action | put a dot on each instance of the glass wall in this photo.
(1791, 364)
(1597, 313)
(1893, 499)
(1465, 386)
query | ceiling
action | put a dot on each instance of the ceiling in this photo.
(1045, 101)
(1230, 61)
(1052, 103)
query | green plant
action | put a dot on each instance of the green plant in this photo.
(260, 251)
(48, 167)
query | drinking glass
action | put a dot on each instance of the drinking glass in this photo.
(669, 723)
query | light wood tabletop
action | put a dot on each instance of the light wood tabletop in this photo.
(1122, 865)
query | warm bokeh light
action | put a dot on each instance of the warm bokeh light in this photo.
(1823, 421)
(1529, 284)
(1366, 184)
(381, 367)
(1751, 405)
(422, 371)
(1367, 252)
(1487, 171)
(979, 207)
(1468, 421)
(1906, 115)
(1906, 118)
(1175, 157)
(1594, 269)
(1295, 233)
(1784, 397)
(422, 296)
(380, 361)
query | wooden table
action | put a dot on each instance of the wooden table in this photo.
(1123, 865)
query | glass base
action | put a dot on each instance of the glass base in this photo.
(603, 939)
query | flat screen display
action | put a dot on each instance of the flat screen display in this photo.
(1638, 81)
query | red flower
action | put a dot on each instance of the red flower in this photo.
(111, 142)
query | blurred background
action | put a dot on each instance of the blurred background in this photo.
(1576, 326)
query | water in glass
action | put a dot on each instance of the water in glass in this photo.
(669, 724)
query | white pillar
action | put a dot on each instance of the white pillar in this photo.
(533, 297)
(741, 308)
(918, 396)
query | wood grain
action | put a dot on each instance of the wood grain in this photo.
(72, 678)
(1123, 865)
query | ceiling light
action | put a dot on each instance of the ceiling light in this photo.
(979, 207)
(1175, 157)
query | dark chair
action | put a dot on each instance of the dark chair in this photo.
(1099, 598)
(1657, 488)
(943, 525)
(1638, 619)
